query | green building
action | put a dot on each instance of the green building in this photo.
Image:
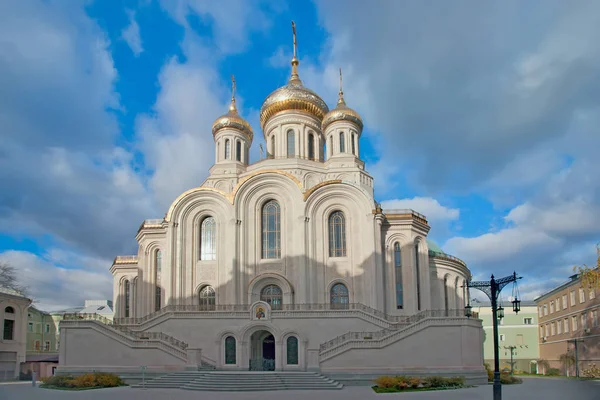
(517, 333)
(42, 332)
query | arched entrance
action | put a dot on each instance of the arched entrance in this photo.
(262, 351)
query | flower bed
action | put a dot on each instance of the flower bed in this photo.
(392, 384)
(94, 380)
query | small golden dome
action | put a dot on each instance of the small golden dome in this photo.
(341, 112)
(232, 119)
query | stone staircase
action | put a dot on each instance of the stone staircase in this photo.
(224, 381)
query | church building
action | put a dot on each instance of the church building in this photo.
(285, 264)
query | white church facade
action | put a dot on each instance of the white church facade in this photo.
(286, 264)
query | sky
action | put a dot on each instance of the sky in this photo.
(483, 116)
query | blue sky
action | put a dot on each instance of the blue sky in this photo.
(483, 117)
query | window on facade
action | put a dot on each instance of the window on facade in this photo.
(545, 309)
(541, 311)
(592, 294)
(127, 298)
(566, 325)
(527, 321)
(36, 345)
(552, 307)
(206, 298)
(157, 288)
(292, 350)
(502, 338)
(330, 146)
(446, 294)
(291, 143)
(227, 149)
(558, 327)
(47, 328)
(337, 234)
(353, 145)
(338, 296)
(581, 295)
(398, 273)
(584, 321)
(546, 330)
(9, 329)
(557, 304)
(418, 276)
(572, 298)
(10, 310)
(553, 329)
(595, 318)
(46, 346)
(311, 146)
(271, 230)
(541, 331)
(238, 151)
(574, 323)
(30, 327)
(230, 350)
(273, 146)
(564, 302)
(272, 295)
(342, 143)
(208, 239)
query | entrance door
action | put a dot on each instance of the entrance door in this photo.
(269, 353)
(262, 351)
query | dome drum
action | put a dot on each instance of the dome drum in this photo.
(232, 120)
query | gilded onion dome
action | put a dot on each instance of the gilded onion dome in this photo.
(341, 112)
(293, 96)
(232, 119)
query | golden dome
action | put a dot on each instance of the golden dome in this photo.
(341, 112)
(232, 119)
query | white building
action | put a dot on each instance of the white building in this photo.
(270, 265)
(13, 342)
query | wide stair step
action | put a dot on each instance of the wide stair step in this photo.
(220, 381)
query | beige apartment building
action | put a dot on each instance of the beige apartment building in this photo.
(568, 318)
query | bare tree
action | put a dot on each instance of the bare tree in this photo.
(8, 278)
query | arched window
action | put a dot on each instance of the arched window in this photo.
(311, 146)
(446, 294)
(291, 144)
(206, 298)
(465, 300)
(9, 310)
(272, 295)
(271, 230)
(353, 145)
(227, 149)
(127, 293)
(157, 277)
(238, 151)
(337, 234)
(292, 350)
(330, 147)
(418, 276)
(342, 143)
(230, 350)
(456, 294)
(9, 324)
(208, 239)
(273, 146)
(398, 273)
(338, 296)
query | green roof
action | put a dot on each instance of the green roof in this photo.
(434, 248)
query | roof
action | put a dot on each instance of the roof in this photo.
(50, 357)
(572, 279)
(433, 247)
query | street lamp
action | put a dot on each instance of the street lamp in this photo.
(492, 289)
(468, 312)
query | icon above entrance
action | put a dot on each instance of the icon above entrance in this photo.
(260, 311)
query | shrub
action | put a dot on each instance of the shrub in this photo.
(552, 372)
(386, 382)
(89, 380)
(490, 373)
(434, 381)
(109, 380)
(591, 372)
(456, 381)
(413, 382)
(507, 379)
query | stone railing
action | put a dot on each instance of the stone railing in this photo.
(375, 335)
(224, 308)
(87, 316)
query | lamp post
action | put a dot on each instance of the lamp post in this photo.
(512, 353)
(492, 289)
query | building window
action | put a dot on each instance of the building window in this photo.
(541, 331)
(584, 321)
(552, 307)
(238, 151)
(502, 337)
(553, 329)
(227, 149)
(157, 288)
(353, 145)
(558, 327)
(566, 325)
(10, 310)
(337, 234)
(446, 294)
(230, 350)
(271, 230)
(546, 329)
(581, 295)
(291, 143)
(418, 276)
(330, 146)
(541, 311)
(338, 296)
(273, 146)
(30, 327)
(572, 298)
(527, 321)
(574, 323)
(292, 350)
(595, 318)
(46, 346)
(564, 302)
(47, 328)
(207, 298)
(557, 304)
(592, 294)
(342, 143)
(127, 297)
(272, 295)
(208, 239)
(545, 309)
(398, 273)
(9, 329)
(311, 146)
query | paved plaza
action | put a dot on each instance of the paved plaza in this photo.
(532, 388)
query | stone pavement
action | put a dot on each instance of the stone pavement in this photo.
(532, 388)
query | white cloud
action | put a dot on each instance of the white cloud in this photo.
(131, 34)
(428, 206)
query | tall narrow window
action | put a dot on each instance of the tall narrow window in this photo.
(157, 288)
(446, 294)
(418, 275)
(273, 146)
(238, 151)
(330, 147)
(208, 242)
(230, 350)
(291, 144)
(353, 145)
(9, 324)
(292, 350)
(127, 296)
(456, 294)
(342, 143)
(338, 297)
(206, 298)
(272, 295)
(398, 273)
(311, 146)
(464, 294)
(271, 230)
(227, 149)
(337, 234)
